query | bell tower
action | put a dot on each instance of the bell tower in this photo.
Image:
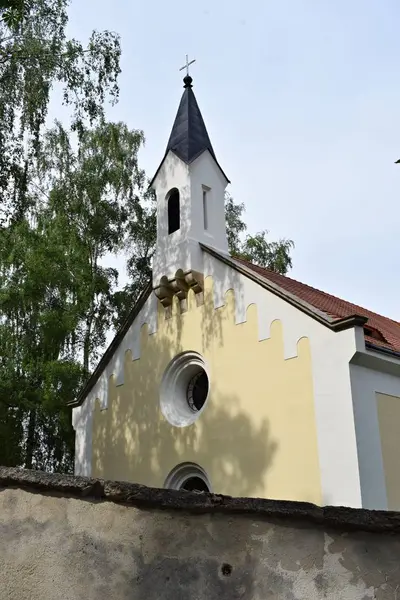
(190, 189)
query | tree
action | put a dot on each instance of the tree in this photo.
(39, 366)
(38, 372)
(36, 55)
(140, 239)
(57, 300)
(235, 226)
(91, 198)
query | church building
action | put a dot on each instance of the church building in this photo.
(231, 378)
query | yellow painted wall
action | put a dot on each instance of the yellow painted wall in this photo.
(257, 434)
(389, 427)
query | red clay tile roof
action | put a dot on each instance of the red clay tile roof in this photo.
(379, 331)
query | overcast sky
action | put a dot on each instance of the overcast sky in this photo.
(301, 99)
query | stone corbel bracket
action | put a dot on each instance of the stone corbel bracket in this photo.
(179, 286)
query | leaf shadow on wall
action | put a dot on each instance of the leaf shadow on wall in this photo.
(134, 442)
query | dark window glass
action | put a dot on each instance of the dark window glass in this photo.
(173, 211)
(195, 484)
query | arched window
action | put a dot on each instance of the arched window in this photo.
(189, 477)
(173, 211)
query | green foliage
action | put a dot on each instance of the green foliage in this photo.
(35, 56)
(235, 225)
(57, 300)
(271, 255)
(140, 239)
(41, 330)
(37, 372)
(91, 197)
(12, 12)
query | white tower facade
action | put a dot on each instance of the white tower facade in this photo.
(190, 188)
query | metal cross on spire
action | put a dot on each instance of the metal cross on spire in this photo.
(187, 65)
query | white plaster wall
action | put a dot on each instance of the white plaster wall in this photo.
(204, 171)
(181, 250)
(174, 173)
(366, 383)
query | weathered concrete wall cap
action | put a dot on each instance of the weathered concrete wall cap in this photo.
(152, 498)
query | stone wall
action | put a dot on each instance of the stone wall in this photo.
(71, 538)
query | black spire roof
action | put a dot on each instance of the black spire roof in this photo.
(189, 137)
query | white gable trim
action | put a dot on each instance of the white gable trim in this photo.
(331, 353)
(82, 416)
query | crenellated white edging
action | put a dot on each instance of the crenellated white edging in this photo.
(330, 354)
(247, 292)
(82, 416)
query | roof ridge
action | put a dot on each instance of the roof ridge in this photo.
(310, 287)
